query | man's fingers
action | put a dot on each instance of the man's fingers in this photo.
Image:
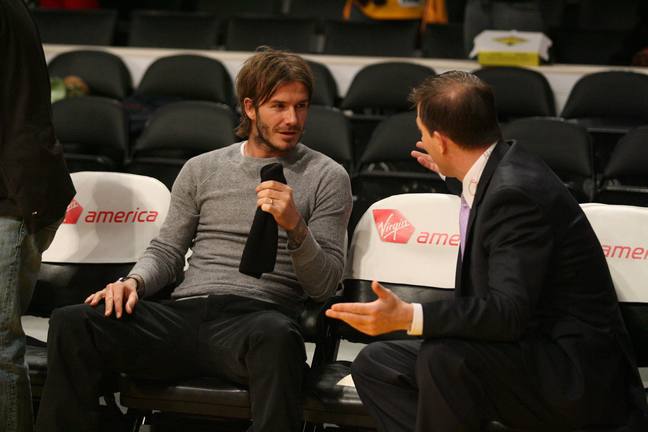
(132, 301)
(118, 298)
(381, 291)
(354, 308)
(108, 300)
(270, 184)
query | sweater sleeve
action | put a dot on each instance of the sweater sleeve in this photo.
(163, 261)
(319, 260)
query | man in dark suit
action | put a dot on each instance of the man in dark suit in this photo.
(533, 337)
(35, 189)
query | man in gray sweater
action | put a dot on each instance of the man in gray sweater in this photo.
(219, 322)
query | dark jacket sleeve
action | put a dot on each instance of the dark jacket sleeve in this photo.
(31, 161)
(515, 248)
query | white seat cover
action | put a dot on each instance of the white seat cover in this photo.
(623, 233)
(112, 218)
(407, 239)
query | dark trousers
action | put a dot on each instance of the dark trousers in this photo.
(246, 341)
(460, 385)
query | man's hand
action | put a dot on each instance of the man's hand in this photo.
(115, 294)
(386, 314)
(277, 199)
(424, 159)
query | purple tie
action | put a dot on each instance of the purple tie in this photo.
(463, 222)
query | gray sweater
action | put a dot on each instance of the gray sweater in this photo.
(213, 202)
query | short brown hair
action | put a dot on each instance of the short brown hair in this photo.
(263, 73)
(459, 105)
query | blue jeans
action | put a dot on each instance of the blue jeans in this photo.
(20, 258)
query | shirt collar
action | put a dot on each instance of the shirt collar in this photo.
(471, 179)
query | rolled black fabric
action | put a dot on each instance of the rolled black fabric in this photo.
(260, 252)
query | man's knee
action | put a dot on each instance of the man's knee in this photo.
(370, 359)
(68, 321)
(440, 359)
(276, 333)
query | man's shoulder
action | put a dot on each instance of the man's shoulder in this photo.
(317, 162)
(222, 154)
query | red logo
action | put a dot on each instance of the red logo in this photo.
(73, 212)
(392, 226)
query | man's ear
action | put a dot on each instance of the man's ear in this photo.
(441, 141)
(249, 108)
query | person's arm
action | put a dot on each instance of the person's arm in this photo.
(163, 261)
(519, 243)
(31, 160)
(317, 246)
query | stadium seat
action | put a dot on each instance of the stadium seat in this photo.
(377, 91)
(227, 9)
(380, 39)
(167, 29)
(292, 34)
(443, 41)
(608, 104)
(177, 132)
(625, 178)
(564, 146)
(107, 226)
(318, 10)
(76, 27)
(387, 168)
(93, 131)
(325, 90)
(189, 77)
(395, 238)
(328, 131)
(105, 73)
(519, 92)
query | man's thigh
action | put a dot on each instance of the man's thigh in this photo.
(158, 340)
(233, 343)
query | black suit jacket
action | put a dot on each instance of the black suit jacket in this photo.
(534, 273)
(34, 182)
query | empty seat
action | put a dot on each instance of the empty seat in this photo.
(327, 9)
(377, 91)
(382, 38)
(443, 41)
(519, 92)
(93, 131)
(325, 90)
(187, 76)
(625, 178)
(387, 168)
(166, 29)
(248, 33)
(565, 147)
(103, 72)
(608, 104)
(226, 9)
(328, 131)
(177, 132)
(597, 47)
(76, 27)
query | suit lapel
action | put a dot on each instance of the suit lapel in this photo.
(493, 161)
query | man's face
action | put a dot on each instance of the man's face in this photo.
(278, 124)
(431, 145)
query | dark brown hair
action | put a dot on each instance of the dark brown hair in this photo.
(460, 106)
(263, 73)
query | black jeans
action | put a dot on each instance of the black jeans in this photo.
(246, 341)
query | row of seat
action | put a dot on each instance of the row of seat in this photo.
(607, 103)
(66, 278)
(94, 134)
(302, 32)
